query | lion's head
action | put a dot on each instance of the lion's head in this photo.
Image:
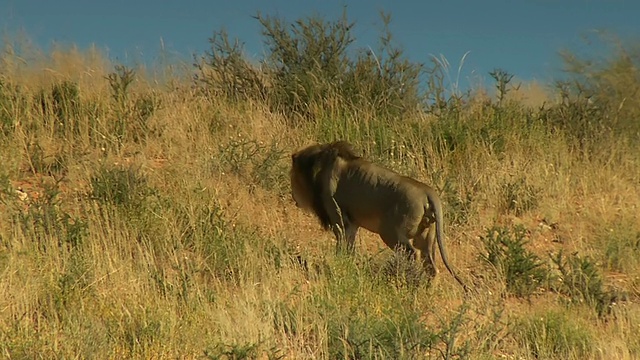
(306, 165)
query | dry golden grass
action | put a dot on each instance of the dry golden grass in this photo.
(162, 280)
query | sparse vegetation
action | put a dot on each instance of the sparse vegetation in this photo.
(151, 218)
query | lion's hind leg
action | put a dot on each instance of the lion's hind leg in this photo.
(425, 242)
(399, 242)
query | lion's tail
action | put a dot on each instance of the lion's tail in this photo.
(437, 209)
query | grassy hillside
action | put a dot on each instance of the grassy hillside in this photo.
(146, 212)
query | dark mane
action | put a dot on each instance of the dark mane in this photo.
(324, 155)
(342, 149)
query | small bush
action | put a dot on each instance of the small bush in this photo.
(285, 319)
(60, 108)
(502, 79)
(451, 136)
(575, 116)
(523, 271)
(236, 156)
(7, 193)
(40, 162)
(72, 283)
(139, 331)
(209, 235)
(519, 197)
(120, 81)
(257, 162)
(66, 106)
(130, 114)
(120, 186)
(144, 107)
(225, 72)
(203, 229)
(450, 333)
(401, 271)
(46, 220)
(374, 135)
(582, 282)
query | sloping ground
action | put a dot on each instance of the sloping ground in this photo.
(181, 240)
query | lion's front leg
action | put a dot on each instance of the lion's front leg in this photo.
(350, 234)
(343, 229)
(340, 235)
(345, 233)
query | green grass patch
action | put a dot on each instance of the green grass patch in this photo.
(554, 335)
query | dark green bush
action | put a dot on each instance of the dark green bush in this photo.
(47, 222)
(66, 106)
(582, 282)
(130, 114)
(256, 162)
(60, 109)
(522, 270)
(224, 71)
(121, 186)
(311, 70)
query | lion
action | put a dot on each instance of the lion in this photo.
(347, 192)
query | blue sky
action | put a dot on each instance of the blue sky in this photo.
(521, 37)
